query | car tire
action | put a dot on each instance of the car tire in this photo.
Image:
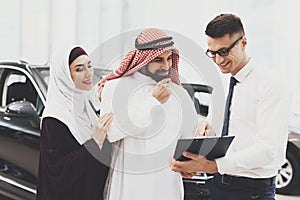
(288, 181)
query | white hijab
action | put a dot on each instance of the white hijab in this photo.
(67, 103)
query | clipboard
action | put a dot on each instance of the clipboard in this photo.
(210, 147)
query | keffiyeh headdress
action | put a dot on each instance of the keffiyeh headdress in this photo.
(148, 45)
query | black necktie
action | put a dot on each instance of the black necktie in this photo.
(233, 81)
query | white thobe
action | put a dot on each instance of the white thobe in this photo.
(145, 133)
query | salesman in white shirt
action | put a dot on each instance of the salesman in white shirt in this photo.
(256, 115)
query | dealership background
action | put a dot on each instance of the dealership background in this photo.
(32, 29)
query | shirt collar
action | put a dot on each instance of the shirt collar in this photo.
(244, 72)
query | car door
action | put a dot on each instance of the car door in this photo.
(19, 133)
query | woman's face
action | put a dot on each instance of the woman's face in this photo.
(82, 72)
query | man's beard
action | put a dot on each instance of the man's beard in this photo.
(155, 76)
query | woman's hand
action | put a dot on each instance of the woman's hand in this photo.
(100, 128)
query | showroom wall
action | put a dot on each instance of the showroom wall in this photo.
(32, 29)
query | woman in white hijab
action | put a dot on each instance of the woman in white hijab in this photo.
(72, 136)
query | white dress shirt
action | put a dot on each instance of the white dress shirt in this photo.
(258, 120)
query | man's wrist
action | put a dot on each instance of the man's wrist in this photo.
(213, 167)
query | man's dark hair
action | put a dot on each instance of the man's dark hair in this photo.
(224, 24)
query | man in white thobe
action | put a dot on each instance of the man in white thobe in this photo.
(151, 112)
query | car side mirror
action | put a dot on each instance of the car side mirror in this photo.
(21, 109)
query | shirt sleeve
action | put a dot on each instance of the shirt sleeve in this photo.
(189, 113)
(271, 133)
(131, 116)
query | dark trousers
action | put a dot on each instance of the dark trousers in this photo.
(223, 191)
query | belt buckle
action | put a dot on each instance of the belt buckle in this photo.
(223, 181)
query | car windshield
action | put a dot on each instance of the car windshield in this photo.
(44, 73)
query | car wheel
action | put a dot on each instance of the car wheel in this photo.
(288, 177)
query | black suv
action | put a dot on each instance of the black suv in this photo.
(22, 95)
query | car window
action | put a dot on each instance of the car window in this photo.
(44, 73)
(202, 102)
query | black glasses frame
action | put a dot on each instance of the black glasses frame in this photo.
(222, 52)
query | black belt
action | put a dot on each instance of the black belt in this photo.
(245, 181)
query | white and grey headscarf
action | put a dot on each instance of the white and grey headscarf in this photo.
(67, 103)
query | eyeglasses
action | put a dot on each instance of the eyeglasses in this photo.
(223, 51)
